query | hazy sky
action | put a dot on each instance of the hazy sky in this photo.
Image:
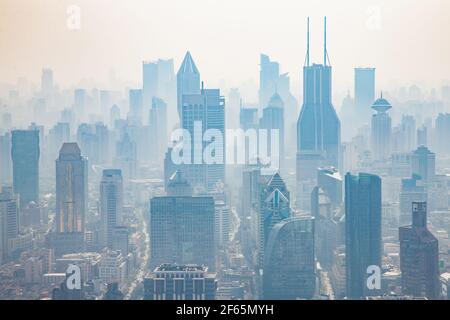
(406, 40)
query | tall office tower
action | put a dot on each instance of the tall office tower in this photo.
(207, 110)
(248, 118)
(114, 115)
(149, 83)
(318, 126)
(423, 163)
(422, 138)
(188, 80)
(182, 231)
(57, 135)
(46, 82)
(136, 106)
(412, 190)
(5, 159)
(25, 156)
(9, 220)
(111, 203)
(274, 206)
(330, 180)
(103, 140)
(105, 104)
(79, 103)
(158, 127)
(381, 130)
(419, 256)
(178, 186)
(289, 265)
(364, 93)
(180, 282)
(268, 79)
(408, 133)
(442, 129)
(362, 231)
(273, 119)
(126, 157)
(71, 199)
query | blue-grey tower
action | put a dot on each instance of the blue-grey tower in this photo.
(362, 231)
(318, 126)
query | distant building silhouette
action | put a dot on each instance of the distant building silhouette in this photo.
(419, 256)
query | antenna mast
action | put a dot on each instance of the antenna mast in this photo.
(325, 41)
(307, 43)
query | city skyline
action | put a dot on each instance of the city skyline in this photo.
(370, 27)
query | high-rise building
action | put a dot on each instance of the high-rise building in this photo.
(5, 159)
(362, 231)
(180, 282)
(364, 93)
(289, 264)
(268, 79)
(188, 80)
(111, 204)
(423, 164)
(318, 126)
(80, 103)
(158, 126)
(9, 220)
(136, 106)
(149, 83)
(274, 206)
(381, 130)
(25, 154)
(182, 230)
(273, 119)
(412, 190)
(71, 200)
(201, 112)
(419, 256)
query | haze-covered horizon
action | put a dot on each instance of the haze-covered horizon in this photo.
(402, 39)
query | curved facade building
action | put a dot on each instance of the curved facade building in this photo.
(289, 267)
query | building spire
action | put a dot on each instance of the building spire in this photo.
(325, 54)
(307, 43)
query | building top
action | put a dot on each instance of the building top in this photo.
(169, 267)
(188, 65)
(381, 105)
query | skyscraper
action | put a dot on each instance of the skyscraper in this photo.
(158, 127)
(381, 130)
(9, 220)
(149, 83)
(318, 126)
(136, 106)
(71, 200)
(364, 93)
(419, 256)
(207, 110)
(111, 203)
(71, 189)
(25, 156)
(268, 79)
(412, 190)
(5, 159)
(188, 80)
(423, 164)
(289, 264)
(182, 230)
(274, 206)
(362, 231)
(273, 119)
